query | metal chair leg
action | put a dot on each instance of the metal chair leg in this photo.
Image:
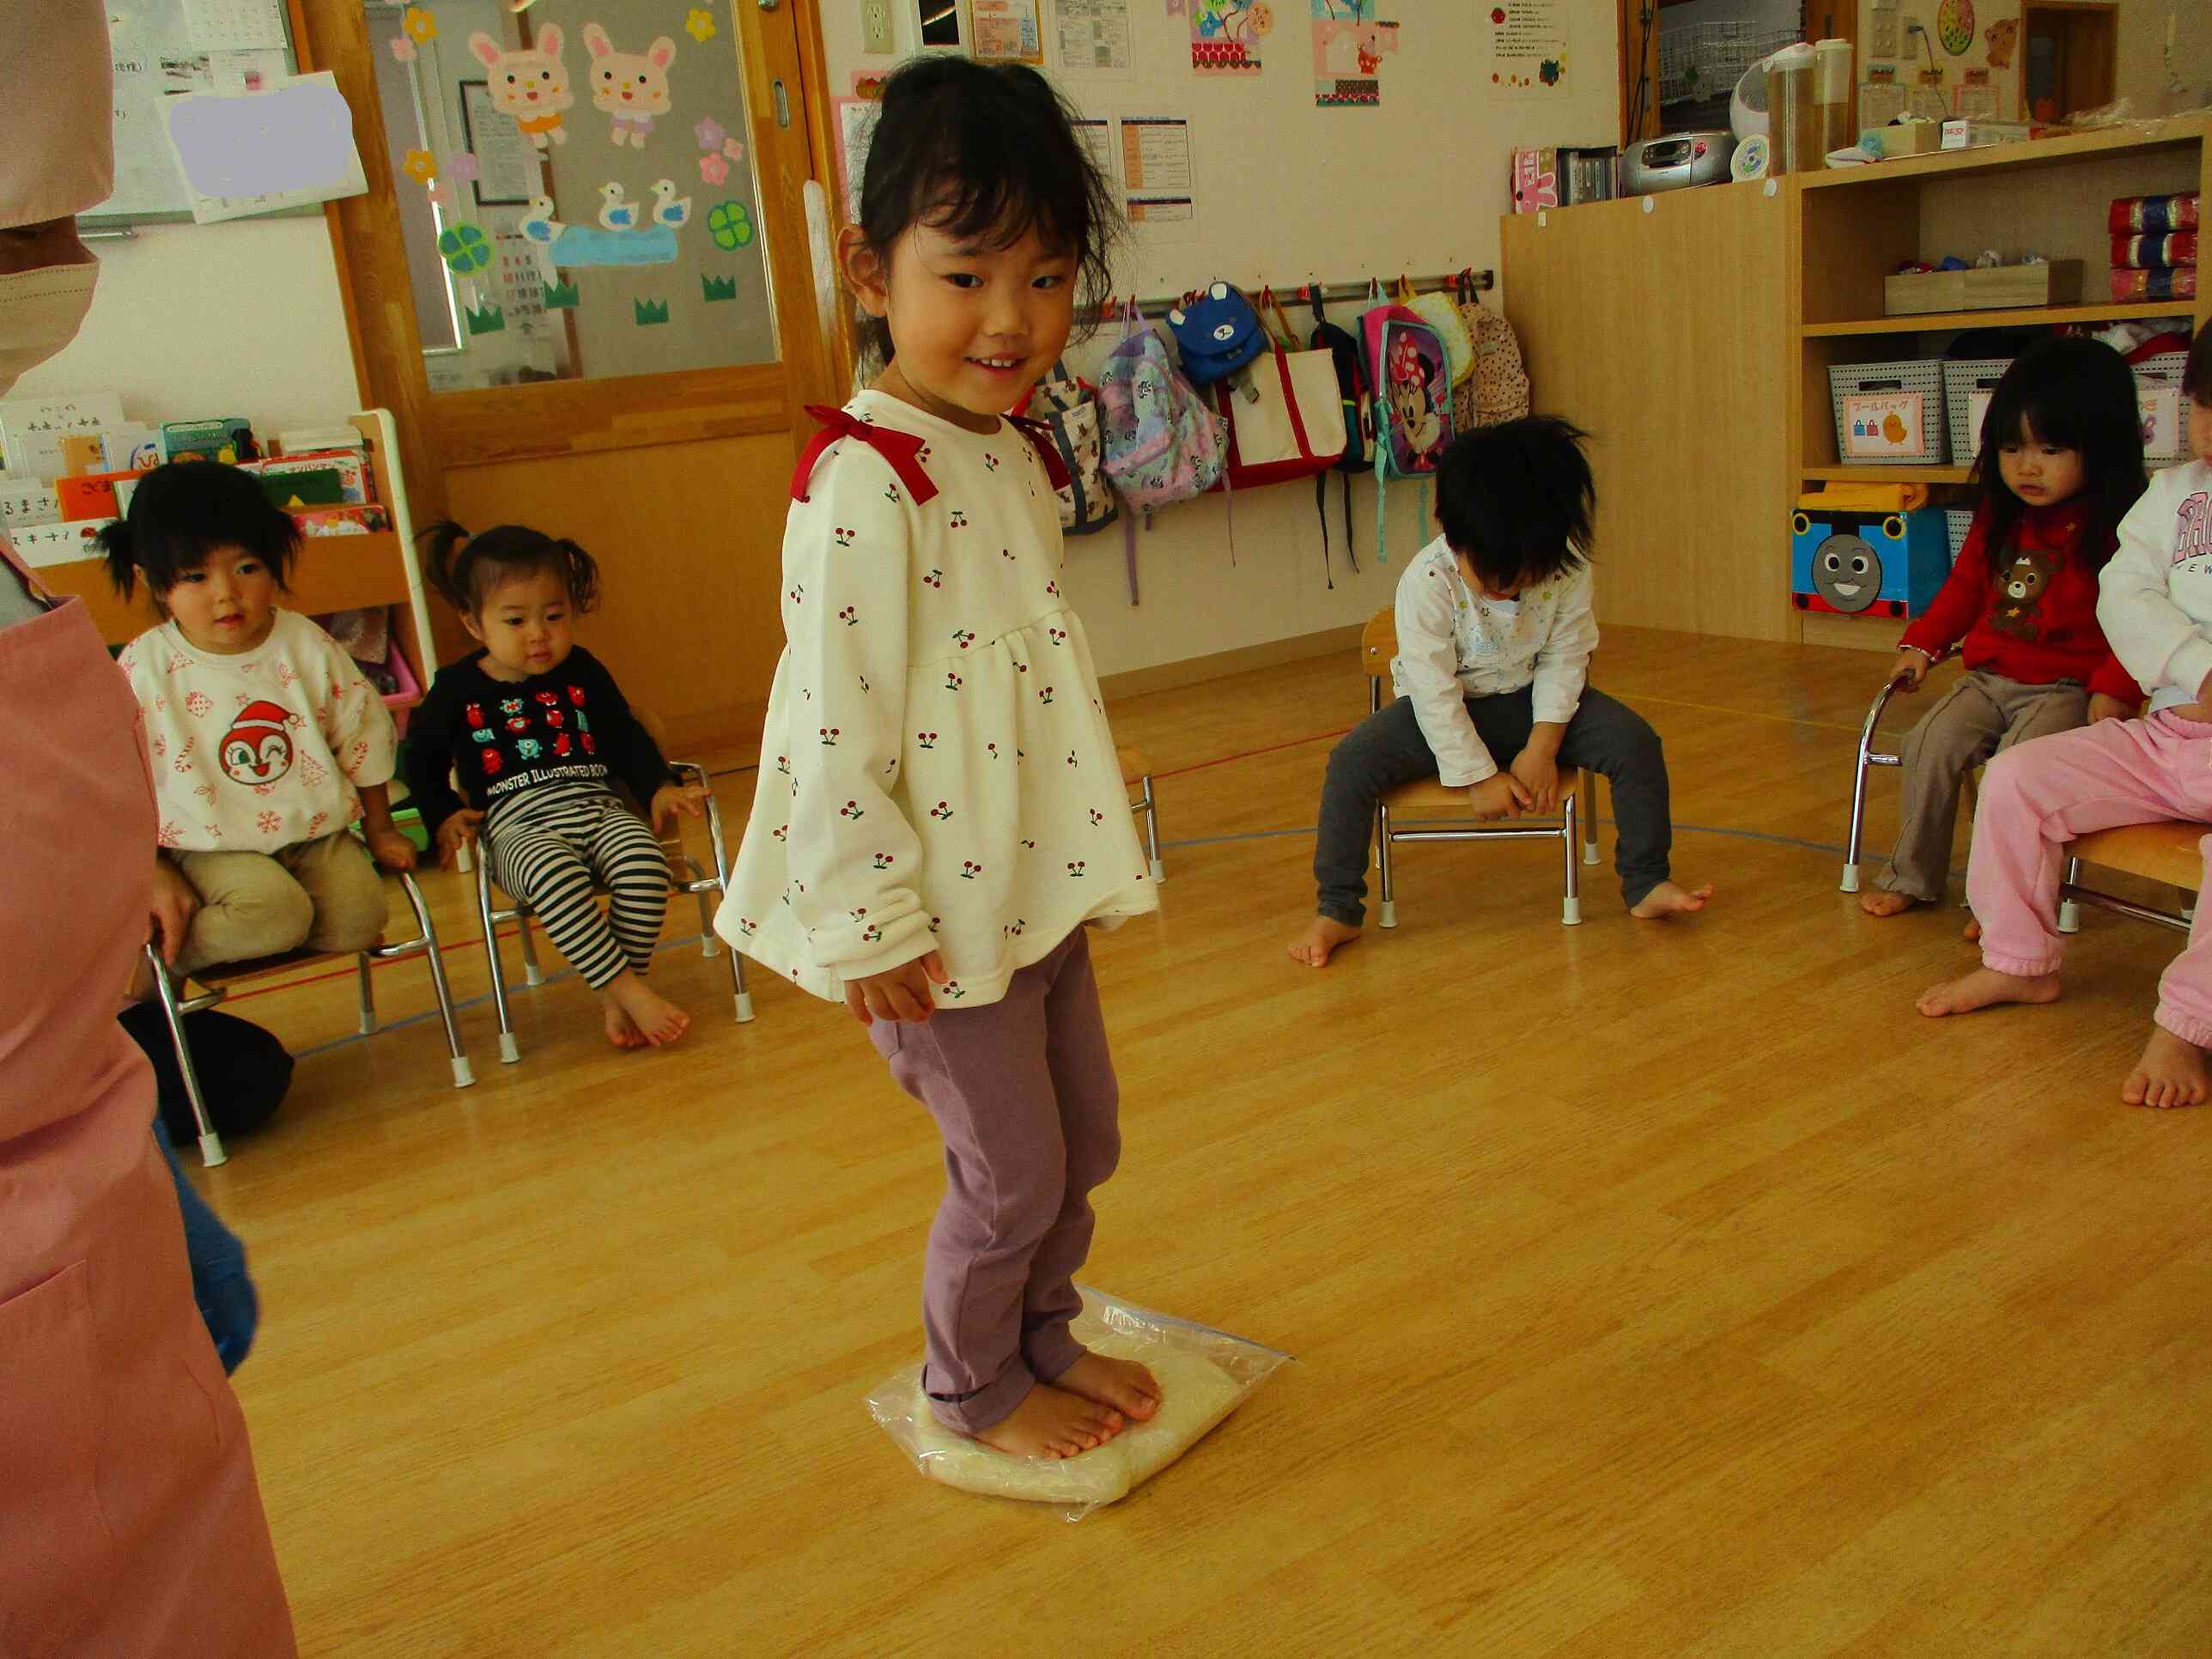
(463, 1074)
(708, 943)
(532, 973)
(742, 997)
(1589, 793)
(1571, 913)
(368, 994)
(509, 1051)
(211, 1152)
(2069, 914)
(1151, 804)
(1390, 906)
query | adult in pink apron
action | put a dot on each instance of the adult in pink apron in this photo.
(129, 1521)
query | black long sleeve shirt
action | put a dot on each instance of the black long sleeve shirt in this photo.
(505, 738)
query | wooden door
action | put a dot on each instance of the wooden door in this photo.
(649, 410)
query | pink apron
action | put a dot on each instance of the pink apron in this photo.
(129, 1522)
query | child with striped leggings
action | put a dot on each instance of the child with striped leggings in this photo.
(537, 732)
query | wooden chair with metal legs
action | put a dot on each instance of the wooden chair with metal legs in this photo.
(1378, 644)
(2169, 853)
(686, 875)
(1138, 772)
(220, 977)
(1869, 756)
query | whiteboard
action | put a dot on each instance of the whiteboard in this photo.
(165, 47)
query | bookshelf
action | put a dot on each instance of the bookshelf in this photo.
(333, 573)
(1854, 226)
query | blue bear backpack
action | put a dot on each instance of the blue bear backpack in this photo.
(1412, 375)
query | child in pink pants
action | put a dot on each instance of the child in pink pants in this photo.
(2155, 608)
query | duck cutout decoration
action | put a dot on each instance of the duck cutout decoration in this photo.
(538, 222)
(615, 212)
(669, 209)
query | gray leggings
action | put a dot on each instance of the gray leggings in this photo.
(1387, 750)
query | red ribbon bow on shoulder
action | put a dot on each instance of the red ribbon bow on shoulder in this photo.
(903, 451)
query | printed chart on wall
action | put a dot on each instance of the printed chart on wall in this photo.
(1526, 42)
(1349, 44)
(1091, 36)
(1226, 35)
(1158, 182)
(1008, 31)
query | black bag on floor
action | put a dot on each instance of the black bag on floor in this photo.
(243, 1070)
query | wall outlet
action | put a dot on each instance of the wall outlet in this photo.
(876, 27)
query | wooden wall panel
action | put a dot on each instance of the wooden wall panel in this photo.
(1663, 333)
(688, 622)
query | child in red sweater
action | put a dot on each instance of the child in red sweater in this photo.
(2061, 464)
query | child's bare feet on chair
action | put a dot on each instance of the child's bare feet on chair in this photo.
(1052, 1422)
(1972, 931)
(1984, 989)
(1670, 899)
(655, 1018)
(2170, 1073)
(1883, 903)
(1122, 1384)
(1313, 946)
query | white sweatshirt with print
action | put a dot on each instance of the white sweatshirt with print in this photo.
(261, 751)
(2155, 598)
(1454, 644)
(936, 770)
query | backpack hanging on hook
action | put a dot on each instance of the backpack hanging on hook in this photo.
(1354, 395)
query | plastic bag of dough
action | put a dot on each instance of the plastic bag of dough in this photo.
(1203, 1374)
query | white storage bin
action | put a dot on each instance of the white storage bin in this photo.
(1958, 520)
(1889, 414)
(1967, 384)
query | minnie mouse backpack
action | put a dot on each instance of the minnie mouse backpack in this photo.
(1412, 375)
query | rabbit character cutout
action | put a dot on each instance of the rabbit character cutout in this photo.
(530, 83)
(631, 87)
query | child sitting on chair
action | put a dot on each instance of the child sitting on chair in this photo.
(536, 729)
(1495, 634)
(2157, 608)
(267, 741)
(2061, 464)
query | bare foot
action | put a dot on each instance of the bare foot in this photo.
(660, 1021)
(1972, 931)
(1883, 903)
(1984, 989)
(622, 1029)
(1667, 899)
(2170, 1073)
(1122, 1384)
(1313, 946)
(1052, 1422)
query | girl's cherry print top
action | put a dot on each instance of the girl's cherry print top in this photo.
(260, 751)
(937, 771)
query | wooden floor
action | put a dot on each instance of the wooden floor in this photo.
(1654, 1290)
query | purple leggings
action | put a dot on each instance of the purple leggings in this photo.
(1023, 1092)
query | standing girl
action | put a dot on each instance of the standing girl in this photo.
(2157, 606)
(537, 732)
(939, 808)
(2061, 464)
(268, 744)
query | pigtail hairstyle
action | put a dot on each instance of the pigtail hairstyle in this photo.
(466, 569)
(985, 150)
(2072, 394)
(181, 513)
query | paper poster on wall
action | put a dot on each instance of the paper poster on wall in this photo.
(1008, 31)
(1225, 34)
(1096, 134)
(1526, 42)
(1159, 184)
(1092, 34)
(235, 25)
(507, 163)
(856, 123)
(288, 146)
(1349, 44)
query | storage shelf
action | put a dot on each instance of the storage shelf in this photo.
(2174, 133)
(1933, 322)
(1926, 475)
